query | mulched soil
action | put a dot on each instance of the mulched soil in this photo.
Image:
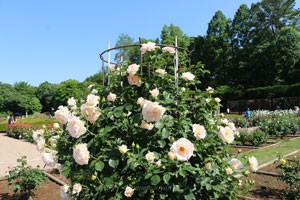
(49, 191)
(267, 187)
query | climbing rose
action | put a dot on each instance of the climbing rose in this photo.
(76, 127)
(152, 111)
(253, 163)
(132, 69)
(128, 191)
(188, 76)
(199, 131)
(168, 49)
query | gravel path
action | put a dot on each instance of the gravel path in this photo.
(12, 149)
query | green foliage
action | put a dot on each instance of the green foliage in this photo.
(122, 152)
(24, 178)
(290, 174)
(255, 138)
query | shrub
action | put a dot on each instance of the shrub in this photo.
(290, 174)
(25, 178)
(149, 135)
(17, 129)
(256, 138)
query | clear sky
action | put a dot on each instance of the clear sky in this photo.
(56, 40)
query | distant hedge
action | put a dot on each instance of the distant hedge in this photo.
(229, 94)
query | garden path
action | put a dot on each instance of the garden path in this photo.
(12, 149)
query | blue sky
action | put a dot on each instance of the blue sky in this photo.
(56, 40)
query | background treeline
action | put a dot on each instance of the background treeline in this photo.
(254, 55)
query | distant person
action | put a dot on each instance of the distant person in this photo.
(10, 120)
(247, 115)
(227, 111)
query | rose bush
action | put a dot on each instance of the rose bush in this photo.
(149, 134)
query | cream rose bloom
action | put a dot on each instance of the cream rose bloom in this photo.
(81, 154)
(154, 93)
(226, 134)
(77, 188)
(149, 46)
(128, 191)
(72, 102)
(199, 131)
(171, 155)
(168, 49)
(152, 111)
(235, 164)
(150, 157)
(183, 89)
(134, 80)
(62, 114)
(208, 166)
(218, 100)
(183, 149)
(49, 158)
(188, 76)
(147, 126)
(92, 100)
(210, 89)
(111, 97)
(91, 112)
(229, 170)
(76, 127)
(112, 67)
(253, 163)
(158, 163)
(123, 149)
(40, 145)
(140, 101)
(37, 134)
(161, 71)
(132, 69)
(56, 126)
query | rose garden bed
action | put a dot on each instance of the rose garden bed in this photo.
(268, 186)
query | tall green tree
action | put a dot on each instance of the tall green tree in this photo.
(46, 93)
(218, 50)
(124, 39)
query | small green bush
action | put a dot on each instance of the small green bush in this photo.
(290, 174)
(256, 138)
(25, 178)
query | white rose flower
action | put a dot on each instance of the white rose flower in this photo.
(225, 121)
(218, 100)
(81, 154)
(158, 163)
(154, 93)
(229, 170)
(236, 164)
(72, 102)
(253, 163)
(123, 149)
(94, 91)
(183, 89)
(149, 46)
(77, 188)
(183, 149)
(208, 166)
(150, 157)
(37, 134)
(132, 69)
(140, 101)
(188, 76)
(112, 67)
(171, 50)
(40, 144)
(161, 71)
(226, 134)
(128, 191)
(76, 127)
(147, 126)
(62, 114)
(111, 97)
(49, 159)
(171, 155)
(210, 89)
(134, 80)
(56, 126)
(199, 131)
(91, 112)
(92, 100)
(152, 111)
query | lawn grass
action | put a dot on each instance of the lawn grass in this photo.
(271, 153)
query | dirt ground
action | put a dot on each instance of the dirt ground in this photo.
(266, 186)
